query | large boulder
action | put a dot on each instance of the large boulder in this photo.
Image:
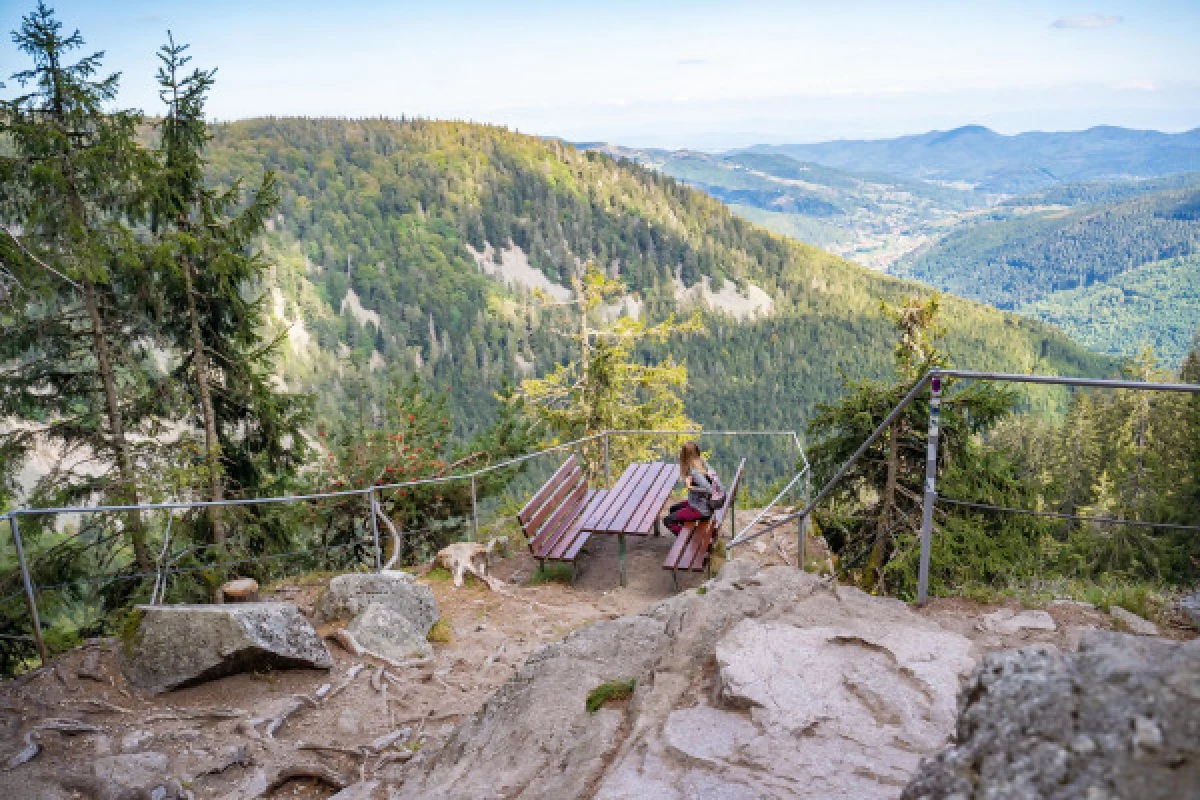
(169, 647)
(1118, 718)
(349, 595)
(768, 684)
(382, 631)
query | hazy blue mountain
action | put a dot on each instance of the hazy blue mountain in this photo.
(994, 162)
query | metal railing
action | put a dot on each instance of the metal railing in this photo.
(934, 379)
(163, 565)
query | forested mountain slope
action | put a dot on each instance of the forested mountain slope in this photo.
(1009, 262)
(381, 223)
(1156, 304)
(1025, 162)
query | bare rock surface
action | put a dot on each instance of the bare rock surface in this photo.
(1131, 622)
(769, 684)
(1190, 606)
(392, 635)
(177, 646)
(1006, 621)
(349, 595)
(1119, 718)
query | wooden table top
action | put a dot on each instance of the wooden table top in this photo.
(633, 503)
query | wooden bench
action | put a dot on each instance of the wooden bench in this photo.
(693, 546)
(553, 520)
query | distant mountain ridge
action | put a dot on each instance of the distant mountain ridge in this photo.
(1009, 164)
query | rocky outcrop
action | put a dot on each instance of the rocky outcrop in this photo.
(1189, 605)
(1128, 621)
(176, 646)
(349, 595)
(1119, 718)
(767, 684)
(382, 631)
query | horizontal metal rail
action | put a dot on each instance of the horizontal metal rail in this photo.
(1010, 377)
(738, 536)
(832, 483)
(1059, 515)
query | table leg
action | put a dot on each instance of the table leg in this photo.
(621, 555)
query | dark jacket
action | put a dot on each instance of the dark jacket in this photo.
(699, 493)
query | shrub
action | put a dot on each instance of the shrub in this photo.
(610, 692)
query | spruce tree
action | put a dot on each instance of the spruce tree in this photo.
(70, 340)
(207, 269)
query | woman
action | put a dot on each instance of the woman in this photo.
(693, 471)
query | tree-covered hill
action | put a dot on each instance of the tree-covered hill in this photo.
(1021, 259)
(382, 219)
(1156, 304)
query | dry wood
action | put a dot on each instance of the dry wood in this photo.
(357, 752)
(250, 727)
(389, 739)
(69, 727)
(351, 674)
(346, 641)
(240, 757)
(101, 707)
(197, 713)
(377, 679)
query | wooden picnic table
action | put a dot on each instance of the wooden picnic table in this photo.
(633, 503)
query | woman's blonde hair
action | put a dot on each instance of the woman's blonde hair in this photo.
(689, 457)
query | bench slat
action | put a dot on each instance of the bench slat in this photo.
(604, 512)
(681, 541)
(566, 488)
(548, 488)
(560, 520)
(643, 517)
(647, 474)
(569, 546)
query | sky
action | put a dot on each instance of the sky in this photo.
(700, 74)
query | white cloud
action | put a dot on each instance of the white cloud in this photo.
(1086, 22)
(692, 62)
(1136, 86)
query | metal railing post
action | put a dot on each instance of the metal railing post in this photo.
(607, 472)
(29, 596)
(804, 524)
(931, 454)
(375, 528)
(474, 513)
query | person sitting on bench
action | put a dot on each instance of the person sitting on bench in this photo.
(694, 473)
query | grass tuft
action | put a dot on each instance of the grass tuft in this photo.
(438, 574)
(440, 633)
(553, 572)
(610, 692)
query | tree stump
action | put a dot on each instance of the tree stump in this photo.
(240, 590)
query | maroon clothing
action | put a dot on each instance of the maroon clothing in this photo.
(681, 513)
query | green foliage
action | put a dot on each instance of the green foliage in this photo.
(440, 633)
(1155, 304)
(879, 500)
(606, 388)
(388, 209)
(1015, 261)
(610, 692)
(551, 572)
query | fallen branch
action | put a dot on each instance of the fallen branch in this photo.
(341, 687)
(197, 713)
(101, 707)
(250, 727)
(389, 739)
(68, 727)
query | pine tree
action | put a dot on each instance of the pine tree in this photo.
(70, 344)
(207, 269)
(608, 387)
